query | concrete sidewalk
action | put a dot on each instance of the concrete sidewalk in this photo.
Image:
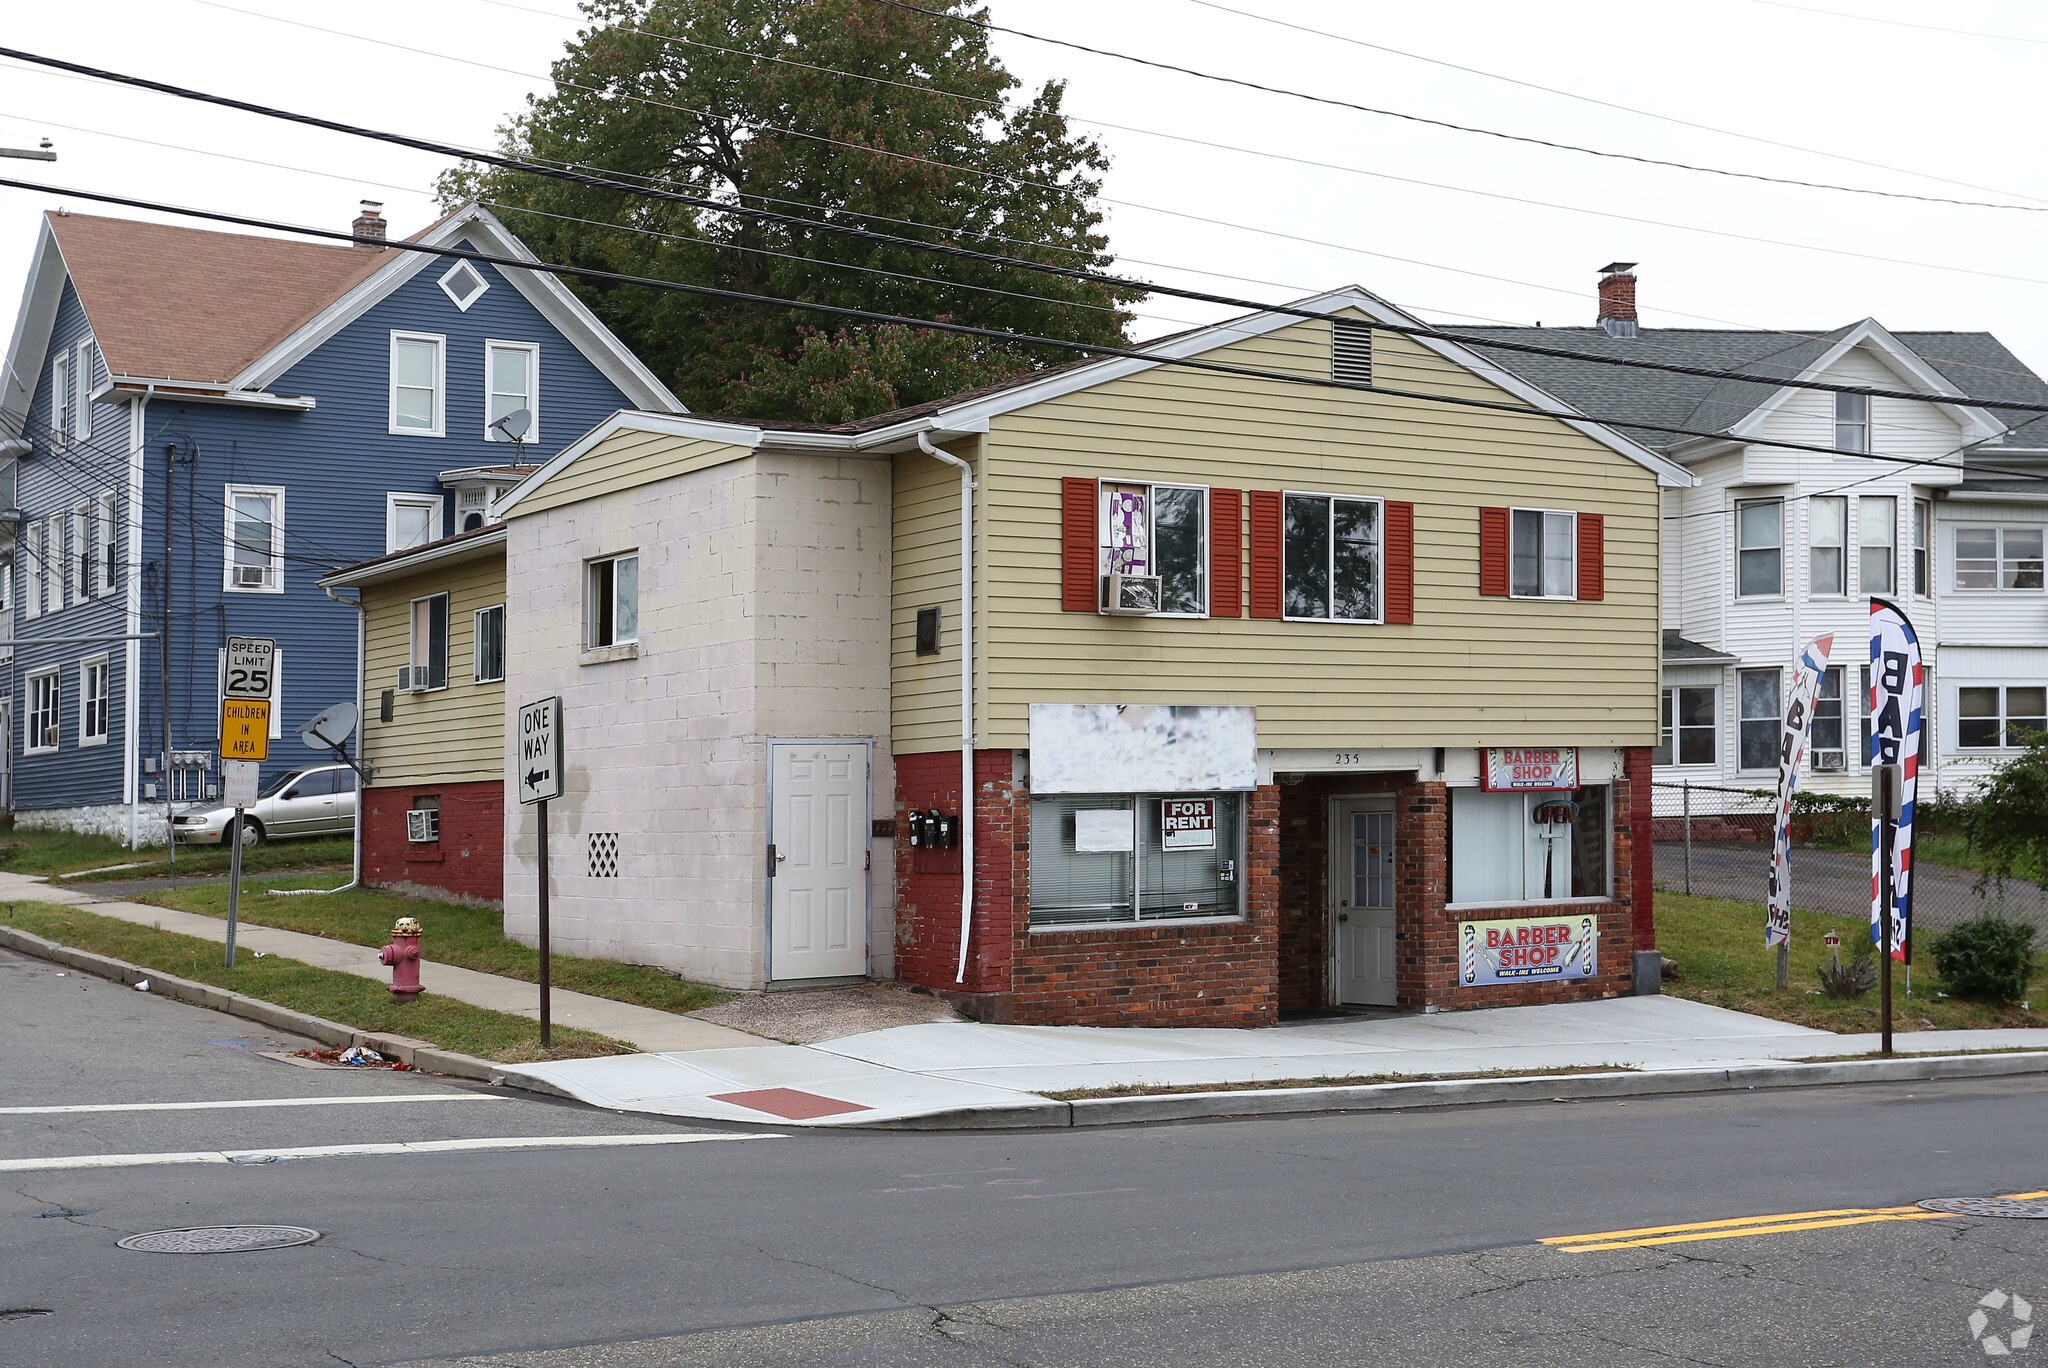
(642, 1027)
(997, 1075)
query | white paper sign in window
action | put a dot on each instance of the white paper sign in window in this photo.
(1104, 829)
(1140, 748)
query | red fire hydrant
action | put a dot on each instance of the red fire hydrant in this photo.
(403, 955)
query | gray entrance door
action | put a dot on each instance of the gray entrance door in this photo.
(1362, 901)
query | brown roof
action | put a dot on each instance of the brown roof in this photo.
(188, 304)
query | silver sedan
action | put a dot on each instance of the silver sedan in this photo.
(304, 802)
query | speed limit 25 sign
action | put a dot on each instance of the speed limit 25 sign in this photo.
(251, 667)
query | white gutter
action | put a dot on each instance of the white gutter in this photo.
(924, 444)
(362, 786)
(131, 664)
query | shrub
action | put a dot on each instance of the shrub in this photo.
(1989, 958)
(2009, 821)
(1853, 979)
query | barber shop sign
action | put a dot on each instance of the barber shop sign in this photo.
(1521, 951)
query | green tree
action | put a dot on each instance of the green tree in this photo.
(2008, 823)
(681, 94)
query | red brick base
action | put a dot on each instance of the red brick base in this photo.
(468, 860)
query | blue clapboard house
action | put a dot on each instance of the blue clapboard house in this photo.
(199, 425)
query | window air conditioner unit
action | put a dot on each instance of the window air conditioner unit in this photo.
(1130, 595)
(412, 679)
(422, 824)
(251, 576)
(1828, 760)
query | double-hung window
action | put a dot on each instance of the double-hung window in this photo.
(1826, 748)
(419, 372)
(32, 570)
(1760, 719)
(44, 715)
(107, 538)
(1543, 555)
(429, 654)
(1162, 530)
(1877, 527)
(1127, 858)
(81, 421)
(490, 644)
(511, 383)
(1852, 422)
(1827, 545)
(78, 566)
(53, 567)
(1998, 558)
(1989, 716)
(1923, 521)
(1759, 548)
(1863, 713)
(1689, 727)
(60, 397)
(612, 601)
(411, 520)
(1501, 854)
(1331, 558)
(92, 702)
(255, 550)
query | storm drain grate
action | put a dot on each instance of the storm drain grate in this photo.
(2015, 1207)
(228, 1239)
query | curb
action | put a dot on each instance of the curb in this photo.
(422, 1055)
(1118, 1111)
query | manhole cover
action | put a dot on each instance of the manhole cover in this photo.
(220, 1239)
(1989, 1206)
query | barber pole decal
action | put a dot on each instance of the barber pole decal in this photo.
(1895, 703)
(1813, 662)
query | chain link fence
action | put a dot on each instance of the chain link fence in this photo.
(1714, 841)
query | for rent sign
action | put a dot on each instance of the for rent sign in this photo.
(1519, 951)
(1187, 823)
(1529, 768)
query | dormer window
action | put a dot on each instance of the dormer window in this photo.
(464, 285)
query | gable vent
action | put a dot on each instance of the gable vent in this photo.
(1351, 351)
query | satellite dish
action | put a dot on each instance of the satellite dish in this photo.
(515, 424)
(331, 729)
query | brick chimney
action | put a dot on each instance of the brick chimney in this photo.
(1618, 299)
(370, 224)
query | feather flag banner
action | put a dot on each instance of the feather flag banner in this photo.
(1895, 706)
(1813, 663)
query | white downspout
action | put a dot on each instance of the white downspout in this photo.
(131, 661)
(924, 444)
(362, 787)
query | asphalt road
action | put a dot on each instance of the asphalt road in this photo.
(1398, 1238)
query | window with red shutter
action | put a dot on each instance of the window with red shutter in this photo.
(1265, 553)
(1493, 552)
(1592, 557)
(1226, 553)
(1400, 562)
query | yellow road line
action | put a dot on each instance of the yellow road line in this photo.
(1716, 1225)
(1909, 1215)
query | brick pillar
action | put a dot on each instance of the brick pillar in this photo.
(1426, 938)
(928, 881)
(1636, 805)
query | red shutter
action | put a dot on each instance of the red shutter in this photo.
(1080, 563)
(1400, 605)
(1226, 552)
(1265, 553)
(1493, 551)
(1592, 556)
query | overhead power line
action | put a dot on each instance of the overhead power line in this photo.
(969, 330)
(1404, 115)
(990, 258)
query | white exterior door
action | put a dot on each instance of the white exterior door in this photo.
(1362, 900)
(818, 866)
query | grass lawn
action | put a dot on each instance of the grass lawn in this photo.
(358, 1002)
(1721, 956)
(467, 937)
(66, 852)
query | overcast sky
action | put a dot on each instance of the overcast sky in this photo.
(1501, 231)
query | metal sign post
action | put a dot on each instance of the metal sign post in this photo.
(245, 685)
(539, 777)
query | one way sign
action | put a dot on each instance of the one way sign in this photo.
(539, 760)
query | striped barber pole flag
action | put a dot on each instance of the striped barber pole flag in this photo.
(1813, 662)
(1895, 706)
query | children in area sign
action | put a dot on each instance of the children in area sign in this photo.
(1529, 769)
(1519, 951)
